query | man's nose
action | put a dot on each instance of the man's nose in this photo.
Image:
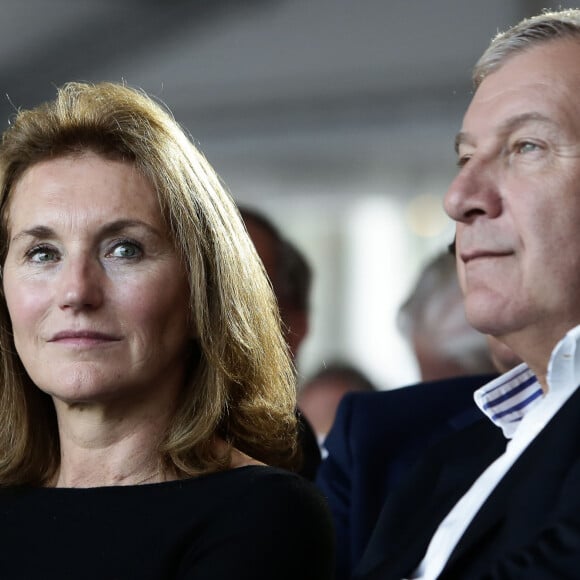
(474, 192)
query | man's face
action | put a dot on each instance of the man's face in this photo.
(516, 198)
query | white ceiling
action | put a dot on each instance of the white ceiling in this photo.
(287, 89)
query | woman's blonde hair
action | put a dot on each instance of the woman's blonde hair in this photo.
(241, 386)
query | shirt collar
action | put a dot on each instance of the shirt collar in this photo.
(564, 366)
(507, 399)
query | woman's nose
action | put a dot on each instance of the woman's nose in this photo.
(81, 283)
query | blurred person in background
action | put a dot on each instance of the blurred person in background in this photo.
(145, 386)
(291, 278)
(320, 395)
(377, 437)
(433, 320)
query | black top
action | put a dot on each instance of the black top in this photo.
(309, 448)
(246, 523)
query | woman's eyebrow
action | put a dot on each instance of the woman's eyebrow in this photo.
(121, 225)
(112, 228)
(34, 232)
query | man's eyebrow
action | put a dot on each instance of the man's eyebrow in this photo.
(460, 138)
(508, 126)
(110, 229)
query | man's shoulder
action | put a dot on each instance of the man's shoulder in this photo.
(452, 394)
(377, 420)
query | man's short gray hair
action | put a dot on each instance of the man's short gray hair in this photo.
(562, 24)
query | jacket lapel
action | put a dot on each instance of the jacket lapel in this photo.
(413, 513)
(555, 448)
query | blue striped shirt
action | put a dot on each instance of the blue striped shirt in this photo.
(507, 399)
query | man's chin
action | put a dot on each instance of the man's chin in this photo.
(488, 319)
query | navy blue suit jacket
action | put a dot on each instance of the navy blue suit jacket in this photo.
(375, 439)
(528, 528)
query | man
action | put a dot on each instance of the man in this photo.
(377, 437)
(501, 499)
(291, 279)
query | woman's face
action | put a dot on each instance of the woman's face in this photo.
(97, 295)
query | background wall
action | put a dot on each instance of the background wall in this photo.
(334, 117)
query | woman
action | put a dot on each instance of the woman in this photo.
(144, 379)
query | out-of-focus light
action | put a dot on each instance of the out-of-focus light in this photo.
(425, 216)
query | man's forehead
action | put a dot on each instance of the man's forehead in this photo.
(509, 125)
(539, 85)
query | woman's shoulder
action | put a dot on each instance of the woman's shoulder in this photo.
(279, 511)
(265, 481)
(274, 494)
(277, 508)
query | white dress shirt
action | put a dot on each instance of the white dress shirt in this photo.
(516, 404)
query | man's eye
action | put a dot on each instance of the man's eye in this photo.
(126, 250)
(41, 254)
(463, 159)
(526, 147)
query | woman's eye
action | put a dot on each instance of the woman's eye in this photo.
(126, 250)
(41, 254)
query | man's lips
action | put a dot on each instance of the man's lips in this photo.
(472, 255)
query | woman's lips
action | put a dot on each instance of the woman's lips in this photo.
(83, 337)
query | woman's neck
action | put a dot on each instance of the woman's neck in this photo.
(99, 448)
